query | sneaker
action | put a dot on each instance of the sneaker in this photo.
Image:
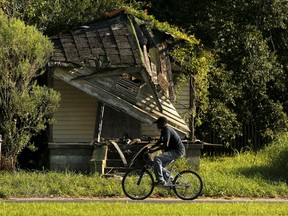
(171, 178)
(159, 183)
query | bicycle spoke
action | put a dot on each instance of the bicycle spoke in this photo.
(137, 184)
(188, 185)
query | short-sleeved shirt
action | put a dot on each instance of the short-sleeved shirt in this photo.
(169, 135)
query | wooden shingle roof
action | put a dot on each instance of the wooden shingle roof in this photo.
(105, 44)
(117, 61)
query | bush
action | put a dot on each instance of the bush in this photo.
(277, 156)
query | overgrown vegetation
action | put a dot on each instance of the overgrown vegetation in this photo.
(25, 106)
(234, 51)
(249, 174)
(253, 174)
(248, 85)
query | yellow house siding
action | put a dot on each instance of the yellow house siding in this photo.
(75, 118)
(149, 130)
(183, 99)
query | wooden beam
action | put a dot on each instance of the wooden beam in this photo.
(119, 152)
(103, 95)
(96, 89)
(151, 88)
(99, 121)
(89, 73)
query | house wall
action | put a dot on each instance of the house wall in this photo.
(71, 135)
(183, 99)
(117, 124)
(76, 115)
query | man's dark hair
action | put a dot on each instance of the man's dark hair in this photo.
(161, 120)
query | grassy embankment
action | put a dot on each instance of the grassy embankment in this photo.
(248, 174)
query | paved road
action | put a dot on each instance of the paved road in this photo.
(148, 200)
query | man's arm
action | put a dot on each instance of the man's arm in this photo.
(158, 146)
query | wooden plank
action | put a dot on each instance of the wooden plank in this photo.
(151, 89)
(75, 118)
(143, 112)
(115, 59)
(147, 61)
(102, 73)
(103, 95)
(99, 121)
(119, 152)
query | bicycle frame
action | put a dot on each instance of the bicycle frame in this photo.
(186, 184)
(141, 175)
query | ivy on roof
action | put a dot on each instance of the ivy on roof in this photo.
(187, 51)
(162, 26)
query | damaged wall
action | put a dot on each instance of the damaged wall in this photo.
(111, 63)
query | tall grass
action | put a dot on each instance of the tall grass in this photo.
(56, 184)
(247, 174)
(254, 174)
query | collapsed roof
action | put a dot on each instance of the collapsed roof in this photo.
(119, 62)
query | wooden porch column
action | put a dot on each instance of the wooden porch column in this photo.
(99, 121)
(193, 107)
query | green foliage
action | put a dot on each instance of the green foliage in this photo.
(255, 67)
(25, 106)
(249, 174)
(239, 67)
(277, 157)
(53, 17)
(187, 52)
(257, 174)
(248, 80)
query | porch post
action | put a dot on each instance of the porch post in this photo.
(99, 121)
(193, 107)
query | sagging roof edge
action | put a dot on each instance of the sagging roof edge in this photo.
(121, 105)
(137, 113)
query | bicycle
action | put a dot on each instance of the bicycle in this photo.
(138, 183)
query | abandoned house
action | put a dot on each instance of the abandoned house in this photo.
(115, 78)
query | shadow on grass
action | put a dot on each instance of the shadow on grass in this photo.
(271, 173)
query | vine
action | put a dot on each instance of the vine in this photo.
(188, 53)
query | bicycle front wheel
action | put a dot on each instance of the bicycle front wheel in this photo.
(188, 185)
(137, 184)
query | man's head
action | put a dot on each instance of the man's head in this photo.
(161, 122)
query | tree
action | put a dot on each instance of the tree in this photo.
(24, 105)
(187, 52)
(53, 17)
(248, 38)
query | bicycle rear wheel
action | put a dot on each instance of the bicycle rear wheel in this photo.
(137, 184)
(188, 185)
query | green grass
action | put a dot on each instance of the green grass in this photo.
(247, 174)
(127, 209)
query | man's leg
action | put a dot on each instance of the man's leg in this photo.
(161, 161)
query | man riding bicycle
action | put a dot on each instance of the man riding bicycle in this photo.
(171, 145)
